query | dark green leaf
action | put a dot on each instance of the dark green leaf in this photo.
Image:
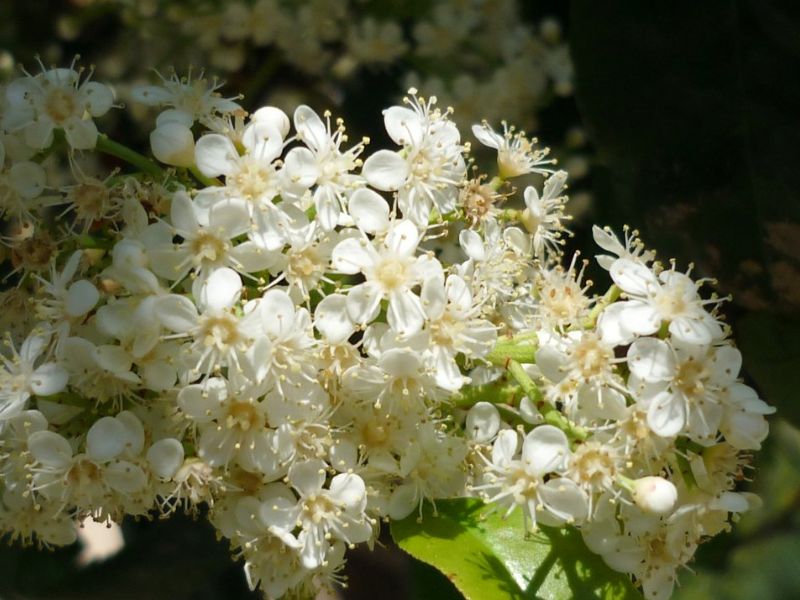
(488, 557)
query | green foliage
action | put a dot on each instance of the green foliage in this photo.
(488, 557)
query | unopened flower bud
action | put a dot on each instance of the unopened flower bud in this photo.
(172, 143)
(654, 495)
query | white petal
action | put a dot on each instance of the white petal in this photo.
(307, 477)
(202, 402)
(50, 449)
(385, 170)
(134, 432)
(273, 117)
(363, 303)
(352, 255)
(564, 500)
(229, 218)
(349, 491)
(433, 297)
(182, 213)
(105, 439)
(666, 416)
(216, 155)
(633, 277)
(403, 238)
(483, 422)
(487, 136)
(403, 501)
(545, 450)
(312, 130)
(27, 178)
(81, 298)
(125, 477)
(331, 319)
(301, 167)
(405, 313)
(99, 98)
(165, 457)
(403, 125)
(277, 313)
(81, 134)
(651, 359)
(472, 244)
(369, 210)
(176, 313)
(221, 290)
(505, 447)
(49, 379)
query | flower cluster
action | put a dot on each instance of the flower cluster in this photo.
(302, 341)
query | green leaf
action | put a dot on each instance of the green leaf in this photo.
(486, 556)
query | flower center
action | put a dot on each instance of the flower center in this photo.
(90, 199)
(391, 273)
(690, 378)
(59, 104)
(252, 180)
(304, 264)
(591, 357)
(220, 331)
(207, 247)
(243, 416)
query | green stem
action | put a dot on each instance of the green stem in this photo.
(497, 392)
(610, 296)
(496, 182)
(519, 348)
(140, 161)
(550, 414)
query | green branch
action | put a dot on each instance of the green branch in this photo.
(140, 161)
(550, 413)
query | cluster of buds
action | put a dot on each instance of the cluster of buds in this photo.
(302, 340)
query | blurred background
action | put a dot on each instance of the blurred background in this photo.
(681, 119)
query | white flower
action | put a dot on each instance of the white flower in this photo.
(20, 185)
(189, 99)
(218, 337)
(322, 515)
(232, 426)
(251, 176)
(453, 327)
(21, 378)
(682, 386)
(56, 99)
(391, 269)
(544, 215)
(520, 482)
(108, 465)
(66, 303)
(429, 469)
(206, 240)
(398, 377)
(322, 162)
(670, 297)
(102, 372)
(426, 173)
(516, 154)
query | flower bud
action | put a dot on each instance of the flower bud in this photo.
(654, 495)
(172, 143)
